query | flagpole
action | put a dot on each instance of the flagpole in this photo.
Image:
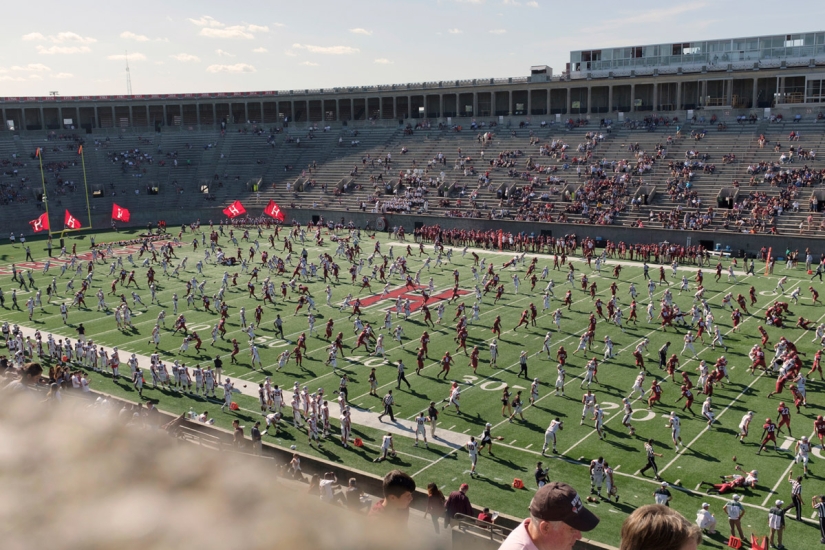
(86, 185)
(43, 181)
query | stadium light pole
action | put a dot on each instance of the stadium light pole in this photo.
(85, 185)
(39, 154)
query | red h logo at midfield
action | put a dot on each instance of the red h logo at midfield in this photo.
(416, 300)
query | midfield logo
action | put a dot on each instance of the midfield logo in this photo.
(415, 297)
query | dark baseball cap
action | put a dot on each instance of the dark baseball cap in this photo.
(558, 501)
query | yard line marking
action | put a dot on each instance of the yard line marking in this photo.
(528, 446)
(450, 428)
(513, 441)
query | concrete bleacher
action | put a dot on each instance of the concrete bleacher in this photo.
(323, 160)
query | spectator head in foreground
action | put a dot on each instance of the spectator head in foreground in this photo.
(557, 520)
(141, 501)
(658, 527)
(399, 489)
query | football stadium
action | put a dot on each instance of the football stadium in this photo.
(501, 282)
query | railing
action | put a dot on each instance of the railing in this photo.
(485, 529)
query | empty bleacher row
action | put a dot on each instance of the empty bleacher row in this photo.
(653, 173)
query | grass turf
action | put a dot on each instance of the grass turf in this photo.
(710, 452)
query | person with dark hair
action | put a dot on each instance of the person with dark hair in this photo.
(657, 527)
(399, 490)
(435, 505)
(30, 377)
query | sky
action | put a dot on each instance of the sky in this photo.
(80, 48)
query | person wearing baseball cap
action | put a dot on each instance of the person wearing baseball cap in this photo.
(557, 519)
(776, 522)
(705, 520)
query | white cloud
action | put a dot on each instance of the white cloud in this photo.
(455, 31)
(223, 53)
(383, 61)
(512, 3)
(60, 38)
(365, 32)
(129, 35)
(185, 57)
(309, 63)
(206, 21)
(498, 31)
(235, 31)
(260, 50)
(71, 37)
(64, 75)
(130, 57)
(32, 67)
(7, 78)
(51, 50)
(236, 68)
(35, 77)
(278, 25)
(533, 4)
(331, 50)
(470, 1)
(290, 53)
(213, 28)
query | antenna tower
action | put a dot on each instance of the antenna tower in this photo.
(128, 76)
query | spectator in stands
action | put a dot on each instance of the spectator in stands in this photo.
(557, 519)
(457, 503)
(30, 377)
(398, 489)
(657, 527)
(435, 505)
(485, 517)
(327, 489)
(355, 498)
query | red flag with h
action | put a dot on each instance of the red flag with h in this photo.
(234, 210)
(41, 223)
(71, 222)
(274, 211)
(120, 214)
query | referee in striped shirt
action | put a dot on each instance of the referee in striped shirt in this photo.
(796, 494)
(651, 460)
(820, 510)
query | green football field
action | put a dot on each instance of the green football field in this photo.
(709, 452)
